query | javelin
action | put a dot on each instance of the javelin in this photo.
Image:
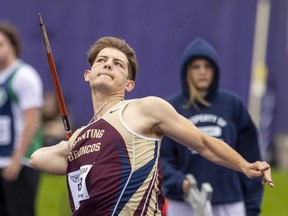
(60, 98)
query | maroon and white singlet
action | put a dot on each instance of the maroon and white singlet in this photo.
(113, 170)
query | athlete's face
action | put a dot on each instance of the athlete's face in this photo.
(110, 70)
(201, 73)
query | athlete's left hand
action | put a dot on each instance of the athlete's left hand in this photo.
(260, 169)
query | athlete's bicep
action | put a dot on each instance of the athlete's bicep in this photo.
(51, 159)
(179, 128)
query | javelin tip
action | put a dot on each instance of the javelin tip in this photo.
(40, 19)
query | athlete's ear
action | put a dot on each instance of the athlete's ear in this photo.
(130, 85)
(87, 75)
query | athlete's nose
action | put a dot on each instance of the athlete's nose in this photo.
(108, 66)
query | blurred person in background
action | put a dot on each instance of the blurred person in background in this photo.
(53, 129)
(21, 101)
(220, 114)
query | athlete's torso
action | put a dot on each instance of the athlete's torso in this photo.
(113, 170)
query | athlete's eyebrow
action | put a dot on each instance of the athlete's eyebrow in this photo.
(114, 58)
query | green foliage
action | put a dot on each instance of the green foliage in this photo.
(275, 200)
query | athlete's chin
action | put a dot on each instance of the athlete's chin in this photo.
(102, 85)
(105, 76)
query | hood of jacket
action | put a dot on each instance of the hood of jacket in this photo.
(199, 48)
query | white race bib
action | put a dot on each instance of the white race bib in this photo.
(77, 184)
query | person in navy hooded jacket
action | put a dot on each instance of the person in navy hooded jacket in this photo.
(220, 114)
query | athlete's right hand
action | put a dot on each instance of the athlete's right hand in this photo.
(71, 141)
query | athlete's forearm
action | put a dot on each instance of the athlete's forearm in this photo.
(221, 153)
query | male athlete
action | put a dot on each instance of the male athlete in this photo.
(112, 164)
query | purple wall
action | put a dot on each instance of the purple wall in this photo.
(277, 61)
(158, 30)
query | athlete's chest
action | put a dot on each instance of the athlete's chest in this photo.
(97, 144)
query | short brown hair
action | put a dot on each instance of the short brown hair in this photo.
(11, 32)
(119, 44)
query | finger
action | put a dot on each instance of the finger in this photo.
(262, 166)
(267, 179)
(270, 183)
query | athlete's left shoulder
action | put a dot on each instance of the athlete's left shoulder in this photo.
(149, 104)
(148, 100)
